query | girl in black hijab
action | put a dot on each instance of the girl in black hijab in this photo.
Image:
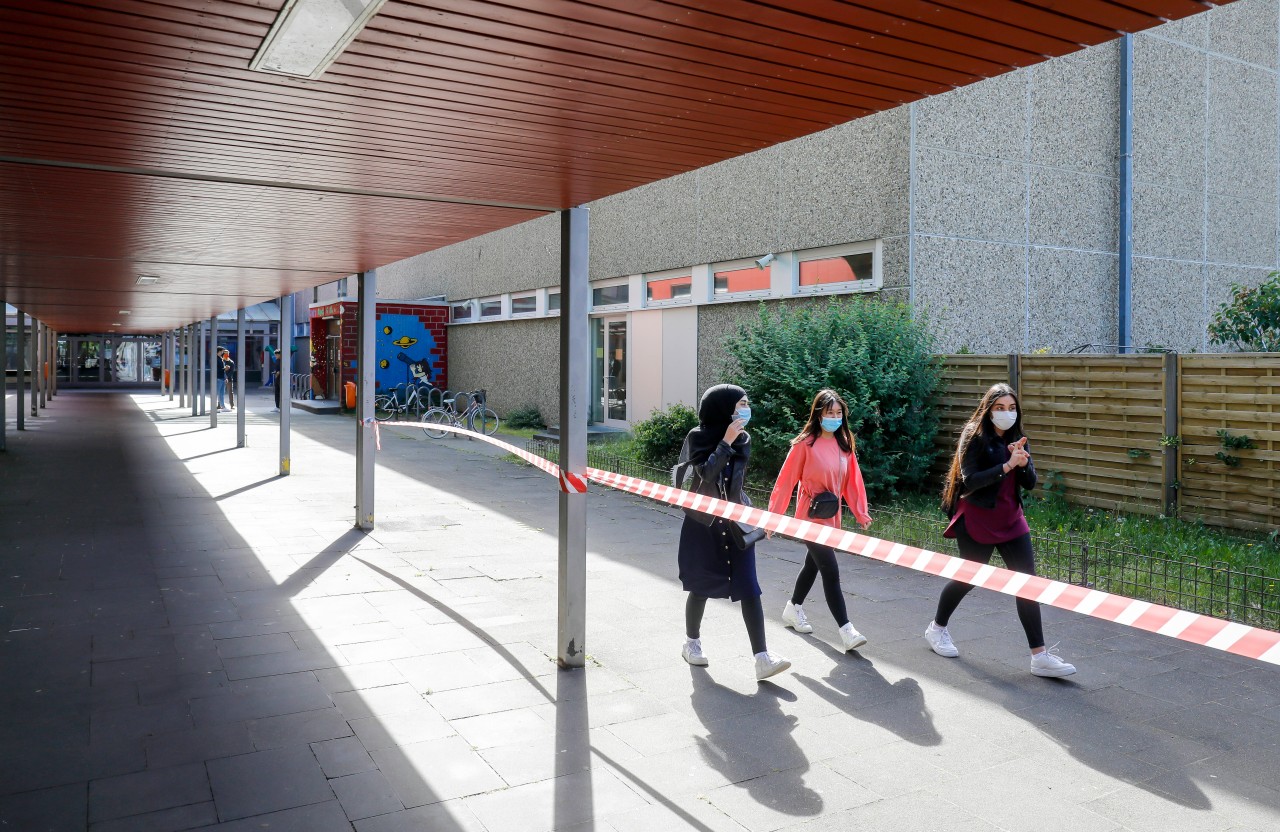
(714, 461)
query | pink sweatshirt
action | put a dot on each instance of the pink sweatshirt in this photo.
(817, 468)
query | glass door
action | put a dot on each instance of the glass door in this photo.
(86, 360)
(610, 371)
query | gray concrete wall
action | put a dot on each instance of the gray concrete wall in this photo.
(517, 362)
(1206, 167)
(1015, 191)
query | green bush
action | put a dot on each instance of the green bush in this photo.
(525, 417)
(876, 355)
(1251, 321)
(658, 438)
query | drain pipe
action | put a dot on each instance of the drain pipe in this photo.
(1125, 334)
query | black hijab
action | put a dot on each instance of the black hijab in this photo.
(715, 412)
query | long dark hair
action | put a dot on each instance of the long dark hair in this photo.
(979, 425)
(813, 428)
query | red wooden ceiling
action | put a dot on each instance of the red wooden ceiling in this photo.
(134, 139)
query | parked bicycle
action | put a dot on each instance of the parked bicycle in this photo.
(463, 410)
(402, 400)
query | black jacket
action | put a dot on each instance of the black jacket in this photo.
(706, 477)
(982, 472)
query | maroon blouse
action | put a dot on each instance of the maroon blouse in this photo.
(999, 524)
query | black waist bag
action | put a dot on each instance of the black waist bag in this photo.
(824, 506)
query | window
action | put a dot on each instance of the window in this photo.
(462, 312)
(342, 288)
(553, 301)
(523, 305)
(732, 281)
(659, 289)
(491, 308)
(617, 295)
(831, 271)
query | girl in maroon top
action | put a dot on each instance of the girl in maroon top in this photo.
(983, 494)
(821, 461)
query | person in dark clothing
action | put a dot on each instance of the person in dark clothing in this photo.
(713, 461)
(220, 367)
(983, 495)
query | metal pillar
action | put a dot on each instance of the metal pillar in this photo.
(1125, 252)
(193, 350)
(574, 395)
(283, 361)
(33, 360)
(213, 372)
(53, 364)
(172, 353)
(240, 404)
(22, 375)
(180, 358)
(366, 363)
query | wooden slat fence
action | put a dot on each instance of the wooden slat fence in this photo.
(1238, 393)
(1099, 420)
(966, 378)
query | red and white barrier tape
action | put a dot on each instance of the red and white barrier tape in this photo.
(1239, 639)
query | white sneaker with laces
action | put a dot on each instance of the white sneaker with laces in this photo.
(939, 639)
(692, 652)
(851, 638)
(1048, 664)
(769, 664)
(793, 616)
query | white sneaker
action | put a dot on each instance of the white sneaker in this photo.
(692, 652)
(851, 638)
(939, 639)
(769, 664)
(793, 616)
(1047, 664)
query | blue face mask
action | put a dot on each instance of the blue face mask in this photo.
(831, 424)
(743, 413)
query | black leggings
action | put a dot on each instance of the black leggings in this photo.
(822, 559)
(752, 616)
(1017, 556)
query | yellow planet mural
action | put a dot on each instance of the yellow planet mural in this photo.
(386, 330)
(405, 341)
(384, 363)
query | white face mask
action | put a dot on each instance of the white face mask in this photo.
(1004, 419)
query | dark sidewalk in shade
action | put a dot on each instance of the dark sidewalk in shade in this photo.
(190, 642)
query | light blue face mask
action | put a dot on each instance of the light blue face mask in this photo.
(831, 424)
(743, 413)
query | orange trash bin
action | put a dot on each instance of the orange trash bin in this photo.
(351, 394)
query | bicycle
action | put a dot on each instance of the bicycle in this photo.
(387, 405)
(464, 410)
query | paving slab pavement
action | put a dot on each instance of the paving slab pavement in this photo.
(191, 642)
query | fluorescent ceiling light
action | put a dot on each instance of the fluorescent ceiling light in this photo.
(308, 35)
(147, 279)
(124, 312)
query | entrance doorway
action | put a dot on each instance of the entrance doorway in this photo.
(609, 348)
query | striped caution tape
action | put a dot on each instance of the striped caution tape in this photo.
(1239, 639)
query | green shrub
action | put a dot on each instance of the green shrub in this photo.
(658, 438)
(1251, 321)
(876, 355)
(524, 418)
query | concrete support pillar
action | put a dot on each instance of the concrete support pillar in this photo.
(212, 355)
(20, 349)
(240, 403)
(575, 389)
(366, 364)
(193, 362)
(282, 383)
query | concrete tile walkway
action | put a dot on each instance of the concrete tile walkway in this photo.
(190, 642)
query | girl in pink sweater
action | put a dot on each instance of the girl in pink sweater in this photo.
(822, 462)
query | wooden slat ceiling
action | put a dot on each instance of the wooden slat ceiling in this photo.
(135, 140)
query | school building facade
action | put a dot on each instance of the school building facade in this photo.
(995, 209)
